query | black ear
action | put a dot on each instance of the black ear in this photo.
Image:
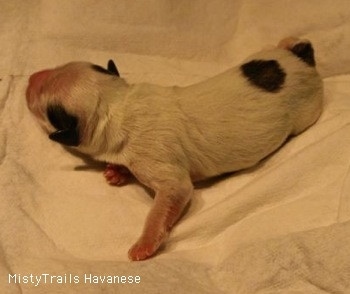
(66, 125)
(305, 52)
(68, 137)
(112, 67)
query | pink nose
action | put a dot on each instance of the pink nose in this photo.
(36, 81)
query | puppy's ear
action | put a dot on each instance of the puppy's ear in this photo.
(112, 67)
(305, 52)
(66, 124)
(68, 137)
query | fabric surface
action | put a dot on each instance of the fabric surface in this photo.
(280, 227)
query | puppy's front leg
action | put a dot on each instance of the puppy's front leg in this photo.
(116, 175)
(170, 200)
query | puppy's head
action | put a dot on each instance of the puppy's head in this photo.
(67, 100)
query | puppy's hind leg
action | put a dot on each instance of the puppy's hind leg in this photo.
(170, 200)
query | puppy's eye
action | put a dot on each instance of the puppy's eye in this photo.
(60, 119)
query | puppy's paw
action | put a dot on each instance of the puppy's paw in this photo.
(145, 247)
(116, 174)
(141, 251)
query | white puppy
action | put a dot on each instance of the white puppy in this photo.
(168, 137)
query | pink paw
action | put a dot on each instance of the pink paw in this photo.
(116, 174)
(142, 250)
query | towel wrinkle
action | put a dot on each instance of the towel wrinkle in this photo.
(33, 221)
(5, 98)
(344, 194)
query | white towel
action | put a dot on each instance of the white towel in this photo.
(281, 227)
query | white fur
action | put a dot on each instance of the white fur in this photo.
(169, 137)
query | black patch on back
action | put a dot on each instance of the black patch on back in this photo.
(305, 52)
(265, 74)
(66, 125)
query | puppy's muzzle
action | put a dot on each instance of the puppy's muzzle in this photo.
(36, 81)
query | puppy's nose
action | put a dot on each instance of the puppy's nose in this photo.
(36, 81)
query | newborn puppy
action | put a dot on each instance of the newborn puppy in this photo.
(169, 137)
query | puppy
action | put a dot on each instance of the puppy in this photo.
(169, 137)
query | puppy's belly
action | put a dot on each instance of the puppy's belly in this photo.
(234, 156)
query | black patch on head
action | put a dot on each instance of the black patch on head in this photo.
(111, 68)
(60, 119)
(66, 125)
(265, 74)
(305, 52)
